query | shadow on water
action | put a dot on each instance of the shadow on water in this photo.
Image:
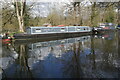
(96, 56)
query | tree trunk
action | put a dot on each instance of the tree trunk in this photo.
(118, 13)
(21, 24)
(93, 13)
(20, 13)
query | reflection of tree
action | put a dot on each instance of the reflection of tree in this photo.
(119, 44)
(72, 62)
(20, 68)
(62, 48)
(77, 60)
(119, 50)
(51, 49)
(93, 52)
(23, 62)
(107, 51)
(2, 73)
(109, 55)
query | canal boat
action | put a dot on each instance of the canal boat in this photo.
(104, 27)
(118, 27)
(45, 32)
(62, 29)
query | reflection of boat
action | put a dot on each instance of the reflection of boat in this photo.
(58, 42)
(55, 48)
(107, 36)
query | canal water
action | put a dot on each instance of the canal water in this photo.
(96, 56)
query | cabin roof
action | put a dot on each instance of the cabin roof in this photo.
(57, 27)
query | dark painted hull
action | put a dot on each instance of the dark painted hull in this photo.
(47, 36)
(103, 31)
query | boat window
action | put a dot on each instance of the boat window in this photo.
(78, 28)
(84, 29)
(38, 30)
(38, 46)
(62, 29)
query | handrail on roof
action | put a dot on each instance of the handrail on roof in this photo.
(56, 26)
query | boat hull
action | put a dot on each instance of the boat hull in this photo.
(49, 36)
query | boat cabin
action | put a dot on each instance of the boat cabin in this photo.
(107, 25)
(66, 29)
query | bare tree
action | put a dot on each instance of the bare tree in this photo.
(20, 11)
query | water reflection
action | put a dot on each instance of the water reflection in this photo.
(82, 57)
(15, 62)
